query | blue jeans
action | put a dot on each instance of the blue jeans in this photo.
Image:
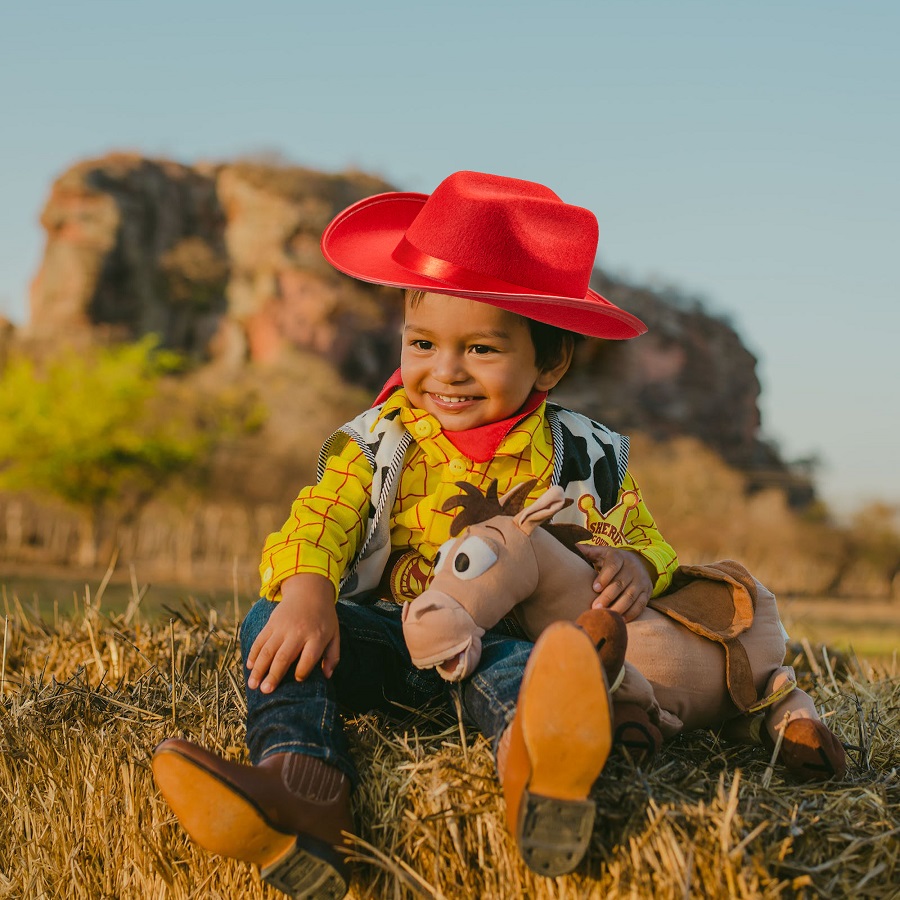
(375, 672)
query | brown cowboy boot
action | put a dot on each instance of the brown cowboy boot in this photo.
(811, 751)
(554, 750)
(632, 729)
(287, 815)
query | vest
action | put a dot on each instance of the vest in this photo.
(588, 458)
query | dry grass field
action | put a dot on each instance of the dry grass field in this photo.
(86, 695)
(868, 629)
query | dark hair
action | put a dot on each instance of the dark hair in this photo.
(551, 344)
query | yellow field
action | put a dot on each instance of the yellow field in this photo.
(85, 696)
(867, 628)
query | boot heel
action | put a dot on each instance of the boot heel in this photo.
(307, 873)
(553, 835)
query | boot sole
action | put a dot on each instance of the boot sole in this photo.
(223, 820)
(566, 725)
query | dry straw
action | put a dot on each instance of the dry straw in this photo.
(85, 699)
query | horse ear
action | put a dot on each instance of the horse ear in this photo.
(513, 501)
(542, 510)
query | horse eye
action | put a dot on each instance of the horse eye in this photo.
(441, 556)
(473, 557)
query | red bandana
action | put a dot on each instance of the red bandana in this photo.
(478, 444)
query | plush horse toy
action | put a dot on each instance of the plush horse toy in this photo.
(708, 653)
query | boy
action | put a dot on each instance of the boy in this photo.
(496, 274)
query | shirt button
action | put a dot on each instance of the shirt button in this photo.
(267, 574)
(423, 428)
(457, 467)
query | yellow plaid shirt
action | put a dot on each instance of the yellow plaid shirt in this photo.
(328, 520)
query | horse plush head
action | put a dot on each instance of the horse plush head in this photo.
(499, 558)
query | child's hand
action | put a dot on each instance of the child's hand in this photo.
(623, 583)
(304, 624)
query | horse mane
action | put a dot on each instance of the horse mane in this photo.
(478, 507)
(569, 536)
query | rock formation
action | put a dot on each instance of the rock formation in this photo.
(133, 246)
(223, 262)
(689, 375)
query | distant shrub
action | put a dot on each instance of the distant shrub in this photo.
(704, 509)
(105, 429)
(871, 562)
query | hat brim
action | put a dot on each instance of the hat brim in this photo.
(361, 241)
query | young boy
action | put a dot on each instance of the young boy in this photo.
(496, 274)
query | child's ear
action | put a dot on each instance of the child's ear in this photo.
(550, 377)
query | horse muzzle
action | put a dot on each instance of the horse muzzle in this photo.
(441, 634)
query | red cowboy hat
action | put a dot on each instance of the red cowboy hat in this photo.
(510, 243)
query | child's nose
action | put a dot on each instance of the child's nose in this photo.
(449, 368)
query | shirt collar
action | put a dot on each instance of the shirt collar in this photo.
(478, 444)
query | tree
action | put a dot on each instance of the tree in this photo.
(102, 429)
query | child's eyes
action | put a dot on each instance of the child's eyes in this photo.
(477, 349)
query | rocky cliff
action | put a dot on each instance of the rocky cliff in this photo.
(223, 262)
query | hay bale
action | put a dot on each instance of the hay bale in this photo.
(84, 699)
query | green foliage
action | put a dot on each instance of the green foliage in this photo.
(97, 426)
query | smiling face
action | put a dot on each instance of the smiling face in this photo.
(468, 363)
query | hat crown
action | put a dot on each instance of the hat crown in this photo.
(515, 231)
(511, 243)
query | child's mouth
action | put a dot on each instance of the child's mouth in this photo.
(446, 398)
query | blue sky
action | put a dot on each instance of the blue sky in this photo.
(747, 152)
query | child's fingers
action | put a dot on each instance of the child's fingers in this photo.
(332, 656)
(259, 658)
(630, 603)
(610, 594)
(309, 659)
(283, 656)
(595, 554)
(280, 662)
(254, 650)
(609, 584)
(608, 575)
